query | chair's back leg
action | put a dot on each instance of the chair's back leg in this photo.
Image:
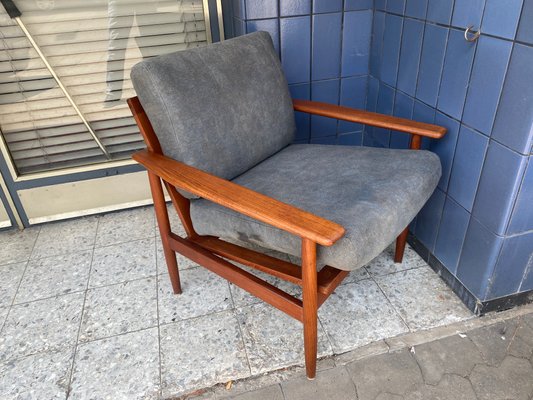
(401, 240)
(164, 229)
(310, 305)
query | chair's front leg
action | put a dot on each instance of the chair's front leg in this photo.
(310, 305)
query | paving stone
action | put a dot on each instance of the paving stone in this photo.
(451, 387)
(356, 276)
(394, 373)
(125, 226)
(440, 306)
(493, 341)
(330, 384)
(273, 339)
(123, 367)
(10, 277)
(384, 263)
(203, 292)
(453, 355)
(522, 342)
(269, 393)
(201, 352)
(3, 315)
(358, 314)
(116, 309)
(65, 237)
(37, 377)
(16, 245)
(123, 262)
(52, 276)
(388, 396)
(43, 325)
(513, 379)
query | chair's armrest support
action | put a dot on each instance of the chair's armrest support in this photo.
(241, 199)
(370, 118)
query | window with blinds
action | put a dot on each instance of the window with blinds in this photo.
(91, 47)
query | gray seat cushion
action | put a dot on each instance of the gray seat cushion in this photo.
(374, 193)
(222, 108)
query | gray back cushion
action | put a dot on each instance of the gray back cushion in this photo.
(222, 108)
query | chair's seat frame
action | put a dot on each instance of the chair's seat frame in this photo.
(214, 253)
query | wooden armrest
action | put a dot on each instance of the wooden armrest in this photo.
(241, 199)
(369, 118)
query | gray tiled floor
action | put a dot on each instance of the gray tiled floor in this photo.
(86, 311)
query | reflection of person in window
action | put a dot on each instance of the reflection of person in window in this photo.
(121, 14)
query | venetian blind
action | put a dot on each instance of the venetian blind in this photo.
(91, 45)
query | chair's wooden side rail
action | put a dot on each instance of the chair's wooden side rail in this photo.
(241, 199)
(370, 118)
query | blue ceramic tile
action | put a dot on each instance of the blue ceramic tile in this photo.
(326, 92)
(416, 8)
(324, 6)
(403, 108)
(324, 140)
(451, 236)
(500, 179)
(514, 118)
(467, 13)
(391, 49)
(488, 72)
(256, 9)
(501, 18)
(353, 94)
(372, 94)
(525, 28)
(238, 9)
(356, 38)
(351, 139)
(380, 4)
(269, 25)
(423, 113)
(515, 259)
(445, 147)
(326, 46)
(294, 7)
(478, 258)
(377, 43)
(296, 48)
(351, 5)
(303, 120)
(428, 219)
(413, 31)
(455, 74)
(385, 106)
(431, 61)
(440, 11)
(522, 219)
(396, 6)
(466, 168)
(239, 27)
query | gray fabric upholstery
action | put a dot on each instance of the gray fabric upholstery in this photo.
(222, 108)
(374, 193)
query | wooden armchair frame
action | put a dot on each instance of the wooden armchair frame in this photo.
(214, 253)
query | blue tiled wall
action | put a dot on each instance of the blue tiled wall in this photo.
(409, 58)
(324, 47)
(479, 222)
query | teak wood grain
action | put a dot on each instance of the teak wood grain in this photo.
(241, 199)
(369, 118)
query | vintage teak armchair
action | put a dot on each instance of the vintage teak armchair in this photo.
(218, 123)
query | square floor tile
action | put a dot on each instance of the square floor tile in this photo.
(125, 226)
(41, 325)
(116, 309)
(65, 237)
(274, 340)
(358, 314)
(122, 367)
(384, 263)
(183, 262)
(422, 298)
(3, 315)
(40, 376)
(356, 276)
(201, 352)
(51, 276)
(123, 262)
(203, 293)
(10, 277)
(16, 245)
